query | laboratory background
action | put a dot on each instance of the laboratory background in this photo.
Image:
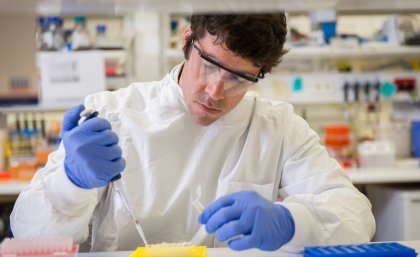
(352, 71)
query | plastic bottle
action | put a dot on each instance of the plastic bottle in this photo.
(53, 36)
(100, 40)
(3, 138)
(68, 39)
(173, 41)
(59, 34)
(81, 38)
(415, 135)
(48, 34)
(183, 23)
(39, 140)
(39, 32)
(338, 141)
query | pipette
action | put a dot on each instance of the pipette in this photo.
(116, 181)
(87, 114)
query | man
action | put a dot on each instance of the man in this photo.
(265, 179)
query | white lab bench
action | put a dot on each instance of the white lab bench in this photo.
(212, 252)
(10, 189)
(226, 252)
(384, 175)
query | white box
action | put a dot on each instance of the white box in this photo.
(397, 212)
(67, 78)
(374, 154)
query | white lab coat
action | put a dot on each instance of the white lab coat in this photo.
(260, 145)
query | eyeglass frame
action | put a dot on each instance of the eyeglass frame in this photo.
(207, 57)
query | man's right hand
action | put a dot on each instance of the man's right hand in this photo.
(93, 156)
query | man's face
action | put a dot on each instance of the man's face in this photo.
(208, 101)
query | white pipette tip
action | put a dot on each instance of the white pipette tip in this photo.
(120, 190)
(196, 202)
(141, 233)
(198, 206)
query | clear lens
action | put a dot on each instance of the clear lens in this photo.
(211, 74)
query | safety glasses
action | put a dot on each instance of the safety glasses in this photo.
(212, 72)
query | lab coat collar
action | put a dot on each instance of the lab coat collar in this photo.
(171, 79)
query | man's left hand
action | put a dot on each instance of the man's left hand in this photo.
(249, 221)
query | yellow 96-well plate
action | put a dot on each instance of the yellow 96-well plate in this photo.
(170, 251)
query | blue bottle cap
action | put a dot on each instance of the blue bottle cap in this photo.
(297, 84)
(79, 19)
(68, 32)
(101, 28)
(388, 89)
(415, 124)
(40, 20)
(50, 19)
(69, 46)
(174, 24)
(59, 21)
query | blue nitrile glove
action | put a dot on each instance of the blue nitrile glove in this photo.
(93, 157)
(259, 222)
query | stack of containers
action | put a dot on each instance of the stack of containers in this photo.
(339, 144)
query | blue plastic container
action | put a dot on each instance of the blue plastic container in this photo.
(329, 29)
(415, 138)
(391, 249)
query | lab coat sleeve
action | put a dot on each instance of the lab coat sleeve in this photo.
(52, 206)
(326, 207)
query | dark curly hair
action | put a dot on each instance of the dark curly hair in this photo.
(256, 37)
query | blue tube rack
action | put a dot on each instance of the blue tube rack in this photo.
(391, 249)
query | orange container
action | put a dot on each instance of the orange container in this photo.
(23, 170)
(339, 144)
(5, 176)
(42, 154)
(337, 135)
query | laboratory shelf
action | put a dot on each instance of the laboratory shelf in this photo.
(113, 54)
(328, 52)
(12, 187)
(378, 5)
(37, 107)
(384, 175)
(182, 6)
(108, 54)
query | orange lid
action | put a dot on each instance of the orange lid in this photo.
(5, 175)
(346, 164)
(344, 141)
(337, 129)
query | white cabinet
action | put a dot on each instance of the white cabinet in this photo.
(397, 212)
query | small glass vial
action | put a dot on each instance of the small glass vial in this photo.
(80, 37)
(53, 36)
(100, 40)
